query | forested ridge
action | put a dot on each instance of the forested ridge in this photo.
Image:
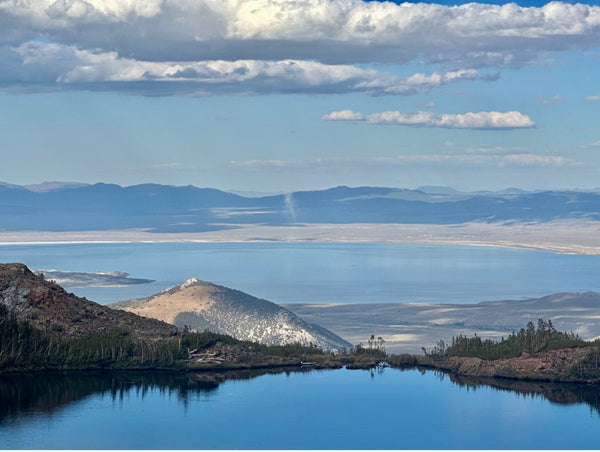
(42, 327)
(541, 353)
(526, 340)
(23, 347)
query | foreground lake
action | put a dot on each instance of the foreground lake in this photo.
(340, 409)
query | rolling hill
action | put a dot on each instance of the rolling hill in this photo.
(200, 305)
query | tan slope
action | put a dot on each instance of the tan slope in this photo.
(165, 306)
(200, 305)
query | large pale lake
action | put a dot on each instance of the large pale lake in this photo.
(338, 409)
(324, 273)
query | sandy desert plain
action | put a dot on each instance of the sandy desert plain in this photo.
(561, 236)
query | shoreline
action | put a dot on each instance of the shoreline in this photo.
(563, 237)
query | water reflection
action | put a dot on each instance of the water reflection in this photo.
(23, 394)
(45, 393)
(559, 393)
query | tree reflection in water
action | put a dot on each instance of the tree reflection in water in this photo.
(559, 393)
(45, 393)
(29, 393)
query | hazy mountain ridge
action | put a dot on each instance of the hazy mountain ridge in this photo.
(163, 208)
(201, 305)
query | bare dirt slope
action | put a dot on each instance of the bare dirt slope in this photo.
(201, 305)
(166, 306)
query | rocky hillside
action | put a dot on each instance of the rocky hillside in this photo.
(49, 308)
(549, 365)
(201, 306)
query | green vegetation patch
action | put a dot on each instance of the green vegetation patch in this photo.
(24, 348)
(527, 340)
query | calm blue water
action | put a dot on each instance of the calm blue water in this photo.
(317, 410)
(322, 273)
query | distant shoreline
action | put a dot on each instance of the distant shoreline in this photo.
(564, 236)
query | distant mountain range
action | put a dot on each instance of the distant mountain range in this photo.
(56, 206)
(200, 305)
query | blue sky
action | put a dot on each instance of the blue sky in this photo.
(274, 95)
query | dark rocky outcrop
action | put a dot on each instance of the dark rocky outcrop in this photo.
(549, 365)
(49, 308)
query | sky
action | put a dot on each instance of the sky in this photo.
(282, 95)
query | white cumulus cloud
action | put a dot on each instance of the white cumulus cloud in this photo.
(479, 120)
(340, 31)
(312, 45)
(595, 144)
(496, 150)
(343, 115)
(517, 159)
(69, 66)
(553, 100)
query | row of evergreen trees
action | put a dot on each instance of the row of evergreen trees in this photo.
(23, 347)
(529, 340)
(19, 342)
